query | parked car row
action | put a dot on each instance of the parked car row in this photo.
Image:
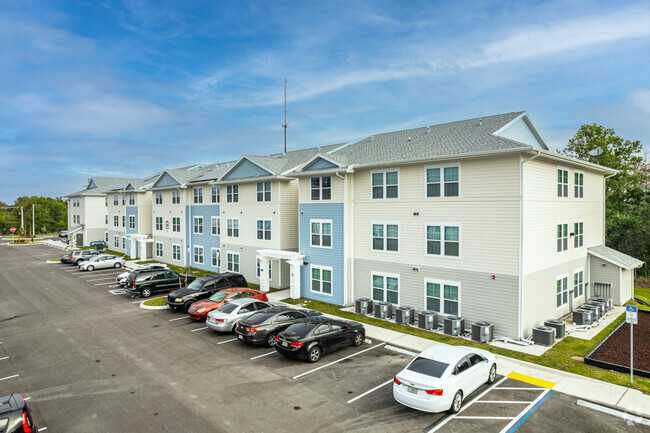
(76, 256)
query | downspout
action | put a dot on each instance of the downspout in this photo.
(520, 288)
(345, 247)
(350, 171)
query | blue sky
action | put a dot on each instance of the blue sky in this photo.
(127, 88)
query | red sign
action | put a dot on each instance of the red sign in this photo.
(12, 230)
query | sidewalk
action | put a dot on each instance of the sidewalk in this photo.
(628, 400)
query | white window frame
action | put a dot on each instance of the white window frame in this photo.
(116, 241)
(385, 289)
(384, 186)
(564, 185)
(257, 269)
(564, 291)
(384, 237)
(232, 196)
(159, 197)
(216, 194)
(230, 227)
(311, 279)
(443, 241)
(198, 249)
(442, 181)
(198, 198)
(564, 238)
(176, 196)
(578, 238)
(580, 285)
(124, 243)
(263, 231)
(106, 219)
(228, 262)
(263, 192)
(174, 225)
(320, 188)
(131, 222)
(320, 222)
(197, 225)
(176, 252)
(123, 199)
(116, 199)
(578, 188)
(131, 199)
(213, 256)
(215, 225)
(106, 238)
(159, 228)
(442, 298)
(159, 245)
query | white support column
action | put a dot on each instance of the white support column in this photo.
(264, 273)
(143, 250)
(294, 288)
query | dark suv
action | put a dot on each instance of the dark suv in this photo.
(15, 416)
(78, 256)
(202, 288)
(145, 282)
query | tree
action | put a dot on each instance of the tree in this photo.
(50, 215)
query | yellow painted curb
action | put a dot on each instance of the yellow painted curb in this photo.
(531, 380)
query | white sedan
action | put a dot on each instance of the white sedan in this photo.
(102, 261)
(439, 378)
(121, 279)
(224, 318)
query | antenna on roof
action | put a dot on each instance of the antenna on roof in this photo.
(372, 138)
(428, 129)
(480, 122)
(285, 115)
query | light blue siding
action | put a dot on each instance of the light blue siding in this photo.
(332, 257)
(129, 187)
(166, 180)
(131, 211)
(320, 163)
(247, 169)
(92, 184)
(206, 240)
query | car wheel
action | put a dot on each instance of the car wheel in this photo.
(270, 340)
(118, 265)
(145, 293)
(493, 374)
(358, 339)
(90, 268)
(186, 306)
(314, 354)
(456, 403)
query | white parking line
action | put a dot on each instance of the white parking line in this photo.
(26, 398)
(503, 402)
(227, 341)
(485, 417)
(103, 279)
(519, 389)
(94, 275)
(266, 354)
(368, 392)
(6, 357)
(9, 377)
(136, 302)
(43, 428)
(338, 360)
(104, 284)
(199, 329)
(179, 318)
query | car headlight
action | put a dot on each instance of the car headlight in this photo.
(200, 310)
(178, 300)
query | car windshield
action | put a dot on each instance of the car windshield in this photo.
(217, 297)
(227, 308)
(195, 285)
(428, 367)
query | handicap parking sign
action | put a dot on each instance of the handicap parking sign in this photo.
(631, 314)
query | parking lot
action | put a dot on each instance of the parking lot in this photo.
(89, 359)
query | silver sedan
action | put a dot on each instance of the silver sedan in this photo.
(224, 318)
(102, 261)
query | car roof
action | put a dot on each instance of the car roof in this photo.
(244, 301)
(215, 276)
(10, 403)
(447, 354)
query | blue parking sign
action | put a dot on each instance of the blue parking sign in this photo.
(631, 314)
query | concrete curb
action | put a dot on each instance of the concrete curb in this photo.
(153, 307)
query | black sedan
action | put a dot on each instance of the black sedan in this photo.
(309, 338)
(263, 326)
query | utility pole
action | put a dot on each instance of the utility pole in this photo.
(285, 126)
(22, 222)
(33, 230)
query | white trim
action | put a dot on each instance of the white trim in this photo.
(257, 269)
(320, 188)
(562, 222)
(575, 235)
(322, 268)
(442, 180)
(321, 222)
(568, 184)
(442, 294)
(386, 275)
(385, 223)
(559, 278)
(575, 271)
(180, 252)
(383, 172)
(194, 250)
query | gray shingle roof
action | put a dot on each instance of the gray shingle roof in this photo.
(104, 185)
(616, 257)
(215, 172)
(185, 175)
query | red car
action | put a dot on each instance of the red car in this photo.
(200, 309)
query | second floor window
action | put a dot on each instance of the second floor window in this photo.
(198, 195)
(385, 237)
(321, 233)
(176, 224)
(198, 225)
(176, 197)
(562, 182)
(232, 193)
(132, 222)
(159, 223)
(159, 197)
(233, 227)
(263, 191)
(562, 237)
(264, 230)
(116, 220)
(443, 240)
(385, 185)
(578, 240)
(215, 225)
(579, 179)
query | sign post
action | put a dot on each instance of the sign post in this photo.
(631, 318)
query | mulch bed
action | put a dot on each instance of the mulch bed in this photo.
(615, 350)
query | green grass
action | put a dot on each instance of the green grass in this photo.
(156, 302)
(558, 357)
(642, 293)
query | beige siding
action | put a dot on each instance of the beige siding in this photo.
(248, 264)
(168, 237)
(337, 189)
(143, 201)
(627, 285)
(288, 221)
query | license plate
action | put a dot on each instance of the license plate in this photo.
(412, 389)
(285, 344)
(241, 337)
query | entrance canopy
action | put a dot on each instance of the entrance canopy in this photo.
(294, 259)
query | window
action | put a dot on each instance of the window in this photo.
(116, 220)
(131, 199)
(447, 185)
(443, 240)
(233, 227)
(385, 288)
(198, 225)
(443, 297)
(132, 222)
(116, 241)
(385, 185)
(215, 225)
(216, 194)
(321, 233)
(159, 249)
(159, 196)
(176, 197)
(264, 230)
(123, 243)
(159, 223)
(562, 182)
(198, 255)
(106, 238)
(106, 219)
(198, 195)
(233, 262)
(385, 237)
(577, 234)
(176, 224)
(562, 237)
(176, 252)
(578, 180)
(321, 188)
(257, 272)
(116, 200)
(123, 199)
(106, 203)
(263, 191)
(321, 280)
(562, 290)
(578, 283)
(232, 193)
(216, 258)
(123, 220)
